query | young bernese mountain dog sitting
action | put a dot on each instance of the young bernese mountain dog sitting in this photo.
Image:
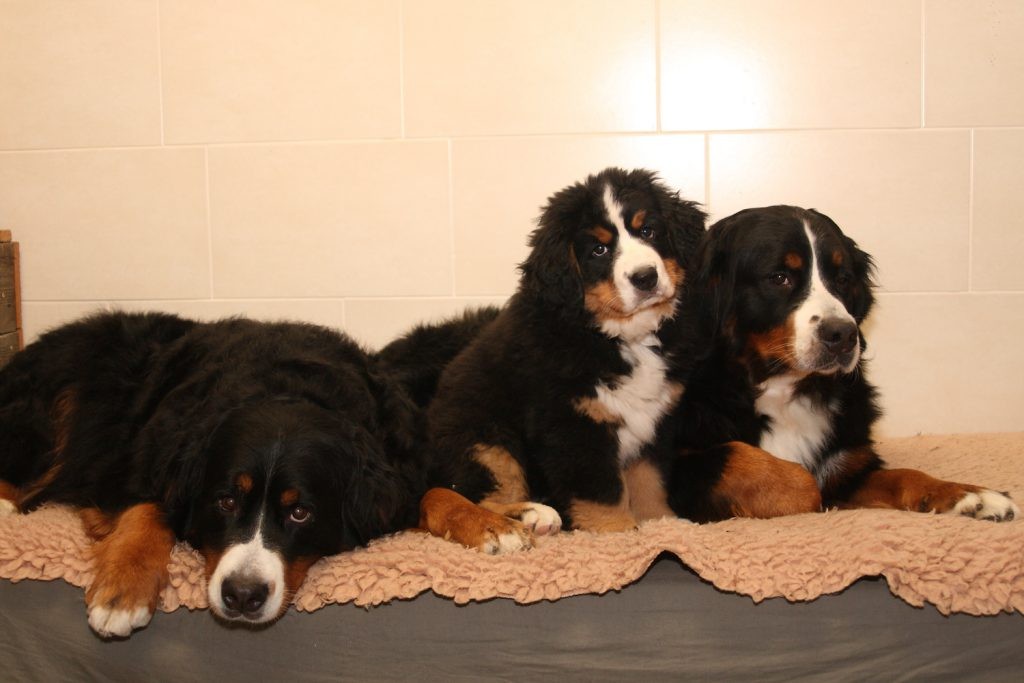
(559, 399)
(780, 293)
(266, 446)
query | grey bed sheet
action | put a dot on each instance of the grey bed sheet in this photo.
(668, 626)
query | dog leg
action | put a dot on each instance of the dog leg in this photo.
(539, 519)
(906, 489)
(447, 514)
(9, 496)
(130, 559)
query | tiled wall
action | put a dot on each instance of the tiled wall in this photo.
(371, 163)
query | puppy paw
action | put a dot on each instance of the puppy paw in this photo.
(987, 504)
(539, 519)
(502, 539)
(117, 622)
(7, 507)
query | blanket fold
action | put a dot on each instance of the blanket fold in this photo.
(954, 563)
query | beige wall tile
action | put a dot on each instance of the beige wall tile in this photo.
(237, 70)
(529, 66)
(948, 363)
(903, 196)
(740, 64)
(375, 322)
(330, 220)
(108, 224)
(500, 186)
(998, 221)
(974, 61)
(79, 74)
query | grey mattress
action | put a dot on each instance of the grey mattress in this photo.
(668, 626)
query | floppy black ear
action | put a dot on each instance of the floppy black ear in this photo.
(551, 273)
(713, 280)
(684, 221)
(370, 488)
(862, 297)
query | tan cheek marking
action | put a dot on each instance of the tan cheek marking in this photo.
(289, 497)
(794, 261)
(676, 274)
(212, 558)
(776, 343)
(244, 482)
(505, 470)
(294, 574)
(602, 299)
(638, 219)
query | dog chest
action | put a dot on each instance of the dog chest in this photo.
(798, 426)
(639, 400)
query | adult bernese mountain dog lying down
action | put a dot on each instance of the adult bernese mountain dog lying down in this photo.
(559, 399)
(266, 446)
(780, 293)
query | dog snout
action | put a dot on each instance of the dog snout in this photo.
(837, 335)
(244, 596)
(645, 278)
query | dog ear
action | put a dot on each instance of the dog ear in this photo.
(371, 492)
(713, 281)
(862, 297)
(551, 273)
(684, 221)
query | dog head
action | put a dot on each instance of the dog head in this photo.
(287, 482)
(613, 249)
(787, 288)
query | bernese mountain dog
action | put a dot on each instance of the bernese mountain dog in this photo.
(780, 293)
(264, 445)
(559, 399)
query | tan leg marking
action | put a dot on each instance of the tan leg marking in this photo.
(446, 514)
(506, 471)
(590, 516)
(755, 483)
(648, 498)
(130, 560)
(905, 489)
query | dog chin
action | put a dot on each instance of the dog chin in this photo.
(825, 363)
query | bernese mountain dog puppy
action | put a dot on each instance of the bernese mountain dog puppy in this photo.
(559, 399)
(264, 445)
(780, 294)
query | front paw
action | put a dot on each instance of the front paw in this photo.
(118, 622)
(987, 504)
(539, 519)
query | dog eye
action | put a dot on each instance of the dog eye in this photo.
(599, 250)
(647, 232)
(227, 503)
(300, 515)
(780, 279)
(843, 279)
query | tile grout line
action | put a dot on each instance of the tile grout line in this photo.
(209, 222)
(160, 68)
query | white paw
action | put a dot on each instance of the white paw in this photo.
(7, 508)
(504, 543)
(986, 504)
(118, 623)
(541, 519)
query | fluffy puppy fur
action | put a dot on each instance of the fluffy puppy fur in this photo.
(266, 446)
(780, 293)
(558, 400)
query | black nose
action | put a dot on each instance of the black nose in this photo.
(645, 279)
(839, 336)
(243, 595)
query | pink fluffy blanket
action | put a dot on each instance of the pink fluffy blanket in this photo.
(955, 563)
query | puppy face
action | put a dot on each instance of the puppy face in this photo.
(790, 288)
(288, 483)
(613, 248)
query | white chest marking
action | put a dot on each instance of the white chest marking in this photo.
(640, 399)
(798, 428)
